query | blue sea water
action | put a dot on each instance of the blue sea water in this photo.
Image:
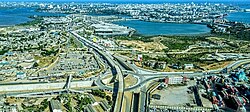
(240, 16)
(13, 16)
(151, 28)
(155, 28)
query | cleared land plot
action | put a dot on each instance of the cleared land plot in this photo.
(173, 96)
(130, 80)
(45, 61)
(143, 46)
(216, 65)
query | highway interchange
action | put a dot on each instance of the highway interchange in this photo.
(119, 68)
(143, 76)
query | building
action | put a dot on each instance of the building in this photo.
(156, 96)
(235, 103)
(107, 29)
(27, 65)
(103, 31)
(2, 63)
(175, 80)
(8, 108)
(154, 64)
(20, 75)
(239, 76)
(55, 106)
(176, 66)
(188, 66)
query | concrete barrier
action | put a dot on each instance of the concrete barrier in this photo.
(43, 86)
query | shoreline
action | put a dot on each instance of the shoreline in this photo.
(30, 16)
(173, 35)
(145, 35)
(4, 26)
(170, 34)
(198, 34)
(34, 19)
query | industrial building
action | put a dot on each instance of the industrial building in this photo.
(107, 29)
(55, 106)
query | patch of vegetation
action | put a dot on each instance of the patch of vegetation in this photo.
(50, 52)
(86, 100)
(177, 85)
(83, 101)
(244, 34)
(99, 93)
(68, 104)
(44, 105)
(146, 57)
(75, 43)
(180, 58)
(109, 99)
(2, 52)
(140, 38)
(36, 20)
(45, 61)
(172, 42)
(184, 59)
(37, 108)
(181, 42)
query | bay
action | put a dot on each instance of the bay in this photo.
(156, 28)
(240, 16)
(13, 16)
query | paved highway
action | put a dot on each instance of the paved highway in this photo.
(148, 75)
(143, 75)
(116, 70)
(151, 75)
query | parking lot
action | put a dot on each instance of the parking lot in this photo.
(173, 96)
(77, 62)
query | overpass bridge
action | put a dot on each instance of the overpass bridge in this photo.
(43, 86)
(68, 81)
(56, 88)
(46, 93)
(116, 70)
(119, 83)
(123, 64)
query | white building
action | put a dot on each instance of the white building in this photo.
(175, 80)
(188, 66)
(20, 75)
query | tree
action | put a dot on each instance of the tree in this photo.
(108, 98)
(68, 106)
(99, 93)
(35, 65)
(44, 105)
(86, 100)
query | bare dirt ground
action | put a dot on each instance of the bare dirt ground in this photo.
(216, 65)
(130, 80)
(174, 96)
(143, 46)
